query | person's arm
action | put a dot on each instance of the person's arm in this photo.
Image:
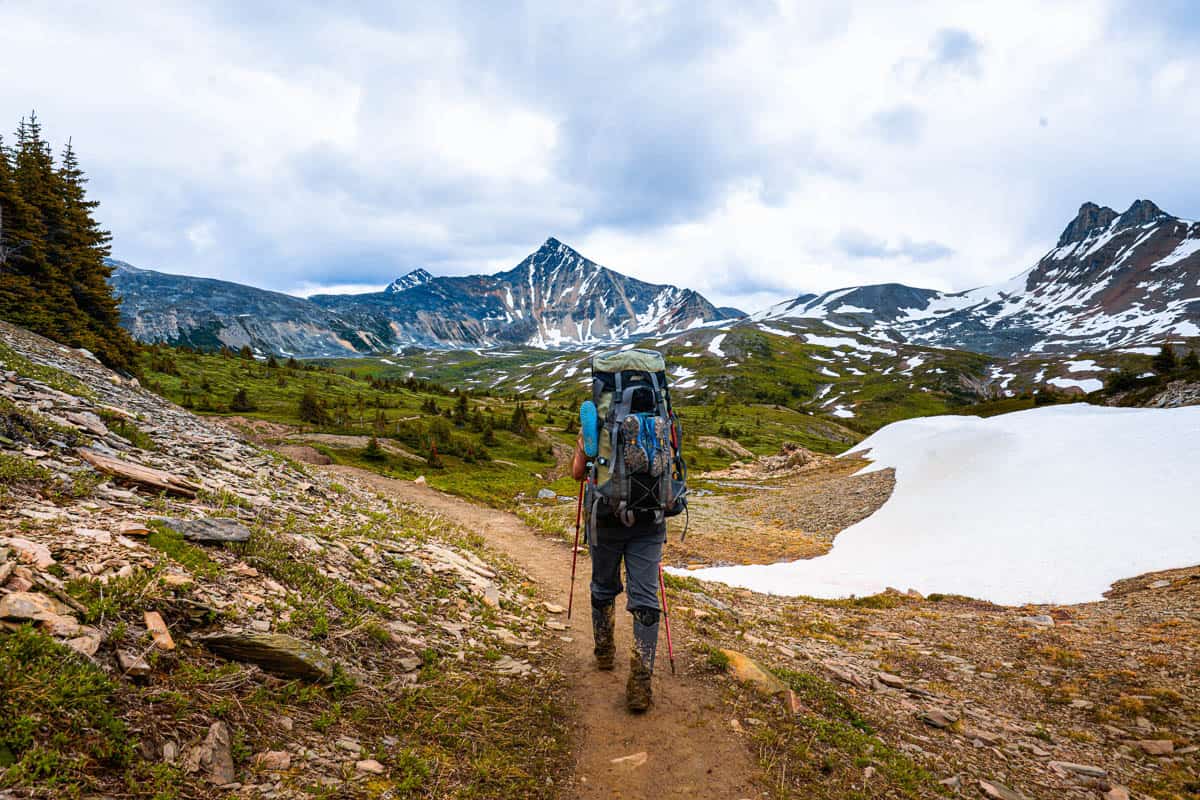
(579, 462)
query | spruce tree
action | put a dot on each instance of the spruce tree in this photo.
(19, 241)
(53, 279)
(1191, 361)
(1165, 362)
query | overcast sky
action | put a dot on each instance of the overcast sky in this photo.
(751, 154)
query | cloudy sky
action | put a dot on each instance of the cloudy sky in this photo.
(750, 153)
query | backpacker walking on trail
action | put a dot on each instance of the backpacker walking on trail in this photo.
(628, 454)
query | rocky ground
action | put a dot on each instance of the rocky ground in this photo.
(183, 614)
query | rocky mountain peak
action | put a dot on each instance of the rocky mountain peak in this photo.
(416, 277)
(1091, 217)
(1141, 212)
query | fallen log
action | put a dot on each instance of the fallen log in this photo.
(149, 477)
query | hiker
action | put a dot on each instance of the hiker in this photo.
(640, 546)
(632, 478)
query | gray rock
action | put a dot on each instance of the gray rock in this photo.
(546, 494)
(208, 529)
(276, 653)
(998, 791)
(1038, 621)
(21, 606)
(214, 755)
(939, 718)
(1087, 770)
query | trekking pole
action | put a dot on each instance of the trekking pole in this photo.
(662, 587)
(575, 549)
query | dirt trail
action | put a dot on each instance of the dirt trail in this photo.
(692, 753)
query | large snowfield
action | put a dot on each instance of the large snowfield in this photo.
(1050, 505)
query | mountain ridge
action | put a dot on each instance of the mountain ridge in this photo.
(554, 297)
(1112, 280)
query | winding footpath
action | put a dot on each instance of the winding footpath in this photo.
(690, 750)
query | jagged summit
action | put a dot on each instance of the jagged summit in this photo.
(554, 297)
(416, 277)
(1113, 280)
(1093, 218)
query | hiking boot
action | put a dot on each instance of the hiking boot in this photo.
(641, 663)
(638, 693)
(603, 621)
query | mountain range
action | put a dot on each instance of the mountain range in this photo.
(554, 297)
(1112, 280)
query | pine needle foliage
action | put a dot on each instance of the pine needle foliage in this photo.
(53, 274)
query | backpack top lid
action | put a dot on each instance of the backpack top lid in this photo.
(634, 359)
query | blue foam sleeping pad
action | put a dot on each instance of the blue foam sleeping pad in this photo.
(589, 426)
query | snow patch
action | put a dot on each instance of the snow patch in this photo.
(714, 346)
(1040, 506)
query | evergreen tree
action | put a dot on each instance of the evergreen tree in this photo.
(373, 452)
(311, 409)
(1165, 362)
(19, 241)
(245, 353)
(241, 401)
(1191, 361)
(518, 423)
(85, 246)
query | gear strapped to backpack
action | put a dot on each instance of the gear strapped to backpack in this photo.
(638, 470)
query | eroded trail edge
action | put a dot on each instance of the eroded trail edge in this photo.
(689, 749)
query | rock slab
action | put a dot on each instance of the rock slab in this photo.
(276, 653)
(214, 530)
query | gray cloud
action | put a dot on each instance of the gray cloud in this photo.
(859, 244)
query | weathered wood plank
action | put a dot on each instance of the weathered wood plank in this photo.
(138, 473)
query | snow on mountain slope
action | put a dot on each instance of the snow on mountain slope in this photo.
(554, 298)
(1049, 505)
(418, 277)
(1112, 280)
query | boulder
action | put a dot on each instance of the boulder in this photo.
(208, 529)
(746, 670)
(23, 606)
(276, 653)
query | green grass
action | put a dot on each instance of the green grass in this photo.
(192, 557)
(118, 598)
(58, 721)
(822, 751)
(128, 429)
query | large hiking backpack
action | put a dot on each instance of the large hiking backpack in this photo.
(638, 469)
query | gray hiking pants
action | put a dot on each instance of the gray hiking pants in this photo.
(641, 549)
